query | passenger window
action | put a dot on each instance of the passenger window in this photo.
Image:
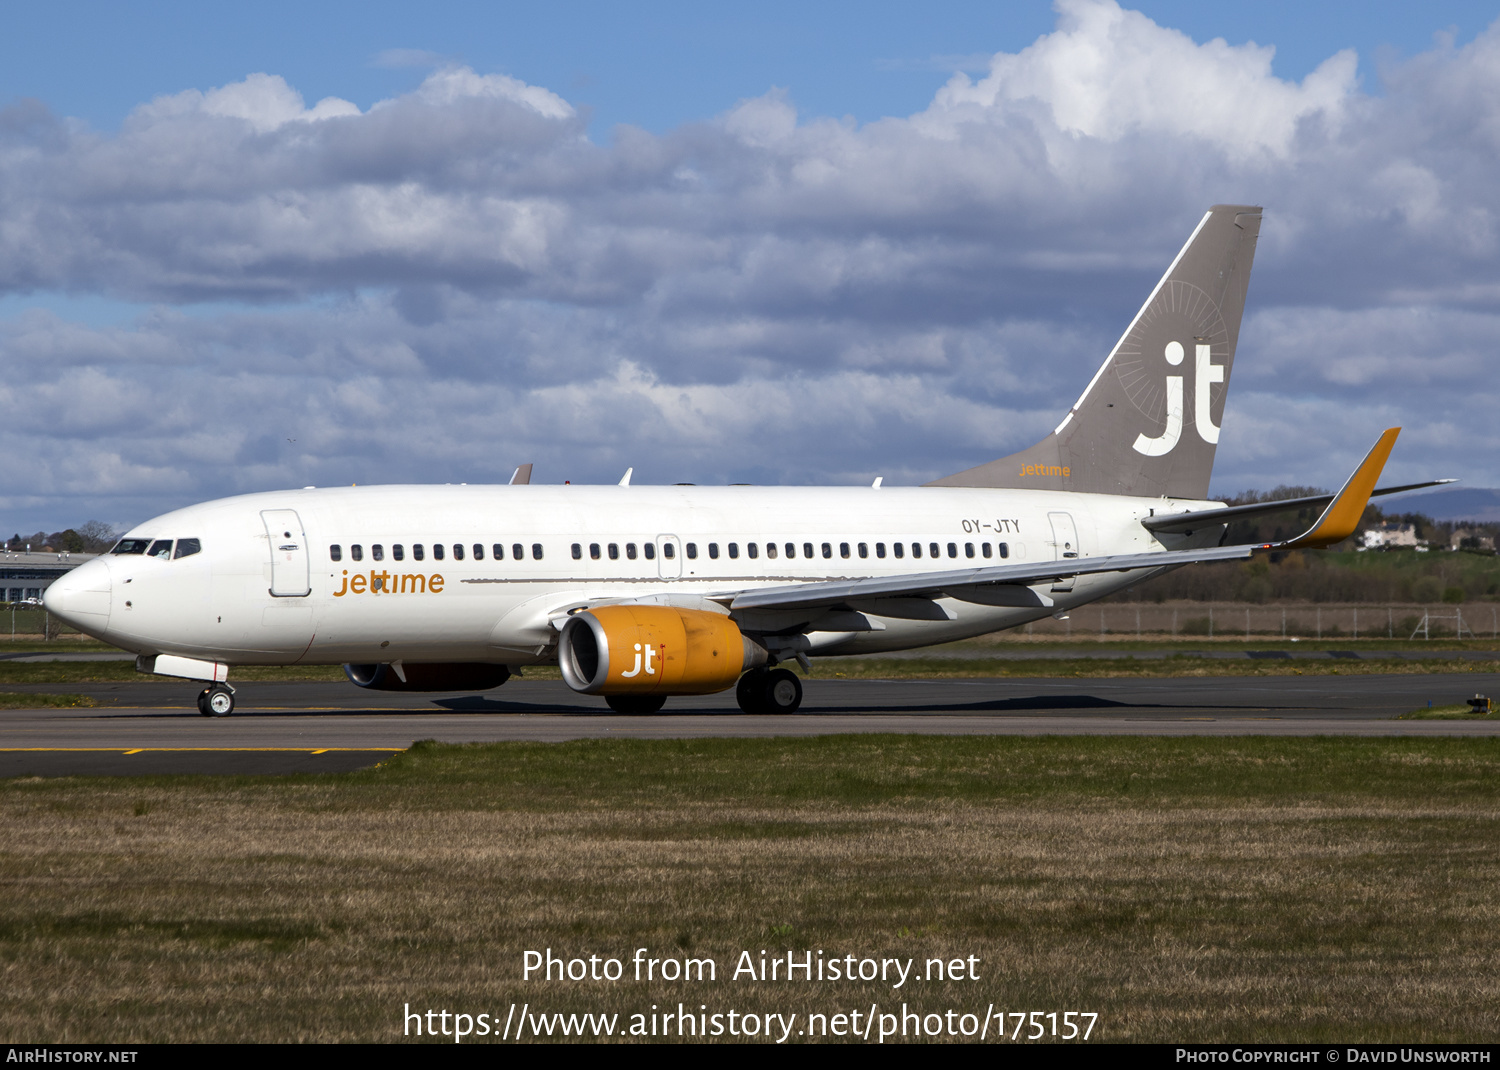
(843, 549)
(880, 550)
(916, 549)
(131, 546)
(497, 551)
(458, 551)
(577, 552)
(734, 549)
(594, 551)
(692, 550)
(650, 549)
(517, 551)
(335, 552)
(377, 552)
(668, 550)
(536, 551)
(187, 548)
(437, 551)
(752, 550)
(864, 549)
(953, 549)
(161, 548)
(791, 550)
(807, 549)
(934, 550)
(771, 550)
(899, 547)
(984, 548)
(1004, 550)
(416, 552)
(398, 552)
(827, 550)
(479, 551)
(968, 549)
(630, 550)
(614, 551)
(713, 550)
(357, 552)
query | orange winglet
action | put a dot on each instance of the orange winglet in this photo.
(1342, 515)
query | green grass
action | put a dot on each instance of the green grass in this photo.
(1461, 712)
(10, 700)
(1177, 664)
(1253, 889)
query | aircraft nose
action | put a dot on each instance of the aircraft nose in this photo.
(82, 597)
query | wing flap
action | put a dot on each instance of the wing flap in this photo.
(929, 585)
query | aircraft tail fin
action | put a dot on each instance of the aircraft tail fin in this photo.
(1148, 422)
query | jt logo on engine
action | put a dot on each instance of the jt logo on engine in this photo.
(1206, 373)
(650, 669)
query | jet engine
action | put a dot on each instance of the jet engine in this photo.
(428, 676)
(661, 650)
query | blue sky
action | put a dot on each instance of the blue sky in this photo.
(657, 64)
(277, 245)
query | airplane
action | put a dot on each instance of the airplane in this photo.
(640, 593)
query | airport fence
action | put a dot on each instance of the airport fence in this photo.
(26, 622)
(1246, 621)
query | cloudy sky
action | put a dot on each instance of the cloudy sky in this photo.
(371, 243)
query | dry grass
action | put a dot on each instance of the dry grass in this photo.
(1183, 889)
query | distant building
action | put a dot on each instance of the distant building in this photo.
(23, 576)
(1470, 539)
(1393, 533)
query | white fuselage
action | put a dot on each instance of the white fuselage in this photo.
(217, 604)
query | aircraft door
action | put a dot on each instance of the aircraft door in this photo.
(289, 558)
(1065, 542)
(668, 557)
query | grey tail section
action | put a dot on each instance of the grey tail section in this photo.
(1148, 422)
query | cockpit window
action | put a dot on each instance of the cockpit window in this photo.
(187, 547)
(161, 548)
(131, 546)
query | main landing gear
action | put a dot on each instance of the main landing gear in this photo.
(216, 701)
(769, 691)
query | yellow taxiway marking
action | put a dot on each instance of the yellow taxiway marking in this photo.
(142, 750)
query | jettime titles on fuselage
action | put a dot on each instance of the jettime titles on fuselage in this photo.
(390, 583)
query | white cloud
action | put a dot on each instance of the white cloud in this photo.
(456, 280)
(1108, 73)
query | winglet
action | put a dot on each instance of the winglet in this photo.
(1342, 515)
(521, 475)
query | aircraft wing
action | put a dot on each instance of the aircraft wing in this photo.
(982, 585)
(1009, 585)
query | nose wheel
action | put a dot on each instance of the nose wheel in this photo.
(216, 701)
(769, 691)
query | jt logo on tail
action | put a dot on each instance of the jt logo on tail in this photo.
(1208, 373)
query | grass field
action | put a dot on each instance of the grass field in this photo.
(1184, 889)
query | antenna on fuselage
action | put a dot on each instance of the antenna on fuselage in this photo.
(521, 475)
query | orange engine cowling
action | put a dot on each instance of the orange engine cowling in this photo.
(660, 650)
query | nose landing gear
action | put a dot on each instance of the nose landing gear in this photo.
(216, 701)
(769, 691)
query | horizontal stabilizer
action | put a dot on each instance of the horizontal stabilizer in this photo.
(1186, 523)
